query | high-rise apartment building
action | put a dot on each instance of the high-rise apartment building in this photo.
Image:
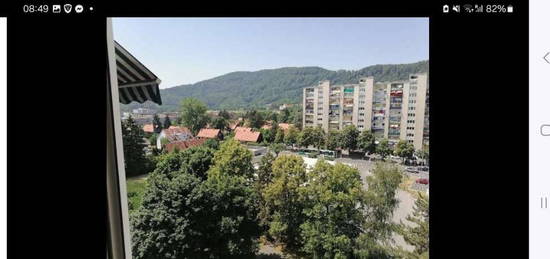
(332, 107)
(393, 110)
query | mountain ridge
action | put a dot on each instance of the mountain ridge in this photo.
(256, 89)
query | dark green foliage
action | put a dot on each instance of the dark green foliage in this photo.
(284, 116)
(284, 199)
(276, 148)
(153, 139)
(417, 235)
(220, 123)
(383, 148)
(267, 135)
(255, 119)
(133, 142)
(167, 123)
(382, 201)
(333, 140)
(233, 159)
(193, 114)
(157, 125)
(224, 114)
(212, 143)
(292, 136)
(314, 136)
(404, 149)
(366, 142)
(334, 211)
(348, 138)
(279, 136)
(273, 86)
(185, 216)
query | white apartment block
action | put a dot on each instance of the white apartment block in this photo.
(393, 110)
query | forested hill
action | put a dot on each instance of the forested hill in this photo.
(273, 86)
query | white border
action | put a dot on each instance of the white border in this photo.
(3, 137)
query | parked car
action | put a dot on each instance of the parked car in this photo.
(422, 181)
(411, 170)
(424, 168)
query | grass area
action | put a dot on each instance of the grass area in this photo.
(135, 189)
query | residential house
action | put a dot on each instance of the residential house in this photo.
(148, 128)
(244, 134)
(210, 134)
(184, 144)
(173, 134)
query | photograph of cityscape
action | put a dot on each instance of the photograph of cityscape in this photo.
(275, 137)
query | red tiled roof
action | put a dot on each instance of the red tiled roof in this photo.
(208, 133)
(284, 126)
(175, 133)
(184, 144)
(148, 128)
(176, 129)
(246, 134)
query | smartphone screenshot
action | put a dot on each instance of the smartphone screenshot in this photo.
(193, 130)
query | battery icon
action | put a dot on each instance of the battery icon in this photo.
(510, 9)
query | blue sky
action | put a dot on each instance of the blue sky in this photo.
(188, 50)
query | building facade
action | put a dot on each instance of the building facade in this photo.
(393, 110)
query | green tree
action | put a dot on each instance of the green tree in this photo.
(255, 119)
(267, 135)
(284, 199)
(367, 142)
(224, 114)
(383, 148)
(378, 227)
(157, 125)
(133, 142)
(284, 116)
(314, 136)
(167, 122)
(333, 140)
(277, 148)
(349, 137)
(334, 212)
(233, 159)
(220, 123)
(265, 178)
(193, 114)
(292, 136)
(153, 139)
(212, 143)
(417, 234)
(182, 216)
(279, 136)
(404, 150)
(297, 119)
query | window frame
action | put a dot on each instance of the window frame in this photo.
(119, 239)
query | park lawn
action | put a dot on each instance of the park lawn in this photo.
(135, 189)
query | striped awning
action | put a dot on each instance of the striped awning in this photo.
(135, 81)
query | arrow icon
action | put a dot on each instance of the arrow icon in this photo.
(546, 57)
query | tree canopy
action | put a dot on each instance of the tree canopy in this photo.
(193, 114)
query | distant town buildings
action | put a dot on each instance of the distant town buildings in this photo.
(143, 111)
(393, 110)
(285, 106)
